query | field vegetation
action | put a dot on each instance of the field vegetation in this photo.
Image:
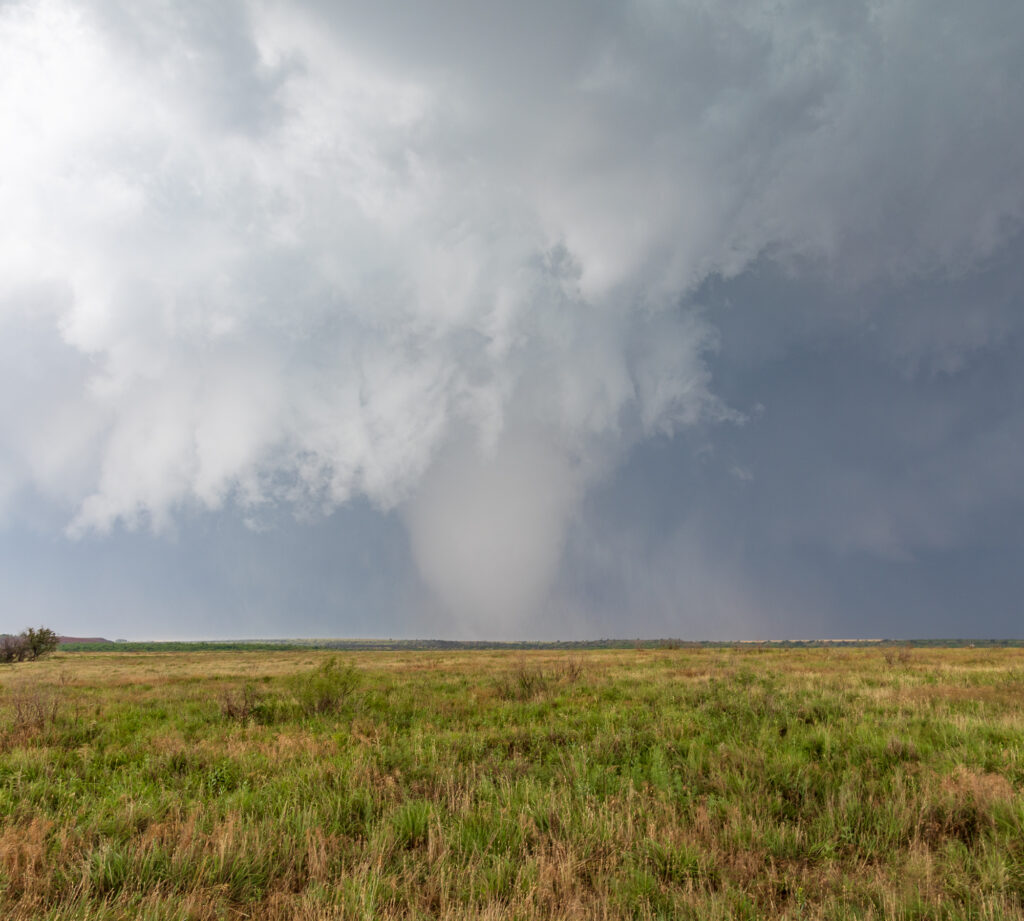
(643, 783)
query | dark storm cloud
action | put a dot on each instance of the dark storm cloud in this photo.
(874, 491)
(283, 257)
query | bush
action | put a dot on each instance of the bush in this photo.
(30, 644)
(325, 689)
(13, 648)
(241, 705)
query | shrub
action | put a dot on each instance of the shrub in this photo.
(903, 656)
(325, 689)
(241, 705)
(13, 648)
(30, 644)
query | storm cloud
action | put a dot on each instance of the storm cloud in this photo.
(625, 317)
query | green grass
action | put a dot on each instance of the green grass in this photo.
(647, 783)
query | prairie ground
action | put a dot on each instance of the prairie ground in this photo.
(675, 783)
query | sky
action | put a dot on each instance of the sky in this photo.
(533, 320)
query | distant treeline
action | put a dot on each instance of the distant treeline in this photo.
(409, 645)
(177, 646)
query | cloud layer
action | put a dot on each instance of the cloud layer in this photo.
(462, 263)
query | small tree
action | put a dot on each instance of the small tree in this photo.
(40, 642)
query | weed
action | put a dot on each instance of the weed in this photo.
(243, 705)
(529, 683)
(34, 707)
(524, 684)
(572, 670)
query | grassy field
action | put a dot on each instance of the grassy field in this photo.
(675, 783)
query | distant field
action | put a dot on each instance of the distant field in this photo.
(703, 783)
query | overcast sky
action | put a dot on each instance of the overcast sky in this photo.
(541, 320)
